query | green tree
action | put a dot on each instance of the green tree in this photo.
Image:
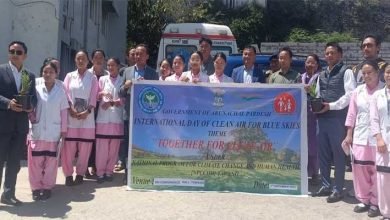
(287, 155)
(299, 35)
(284, 15)
(248, 25)
(302, 35)
(145, 25)
(148, 18)
(247, 142)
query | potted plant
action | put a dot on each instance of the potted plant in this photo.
(315, 102)
(24, 98)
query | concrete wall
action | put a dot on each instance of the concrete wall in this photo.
(36, 24)
(85, 29)
(115, 41)
(352, 52)
(6, 18)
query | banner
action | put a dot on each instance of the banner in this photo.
(218, 137)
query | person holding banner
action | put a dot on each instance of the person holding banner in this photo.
(379, 114)
(178, 68)
(195, 73)
(312, 66)
(219, 66)
(249, 72)
(109, 123)
(81, 88)
(334, 86)
(205, 47)
(362, 142)
(49, 124)
(165, 69)
(140, 71)
(98, 60)
(285, 75)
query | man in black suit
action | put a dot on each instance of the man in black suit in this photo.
(13, 118)
(140, 71)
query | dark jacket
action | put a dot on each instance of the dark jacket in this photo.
(13, 121)
(129, 74)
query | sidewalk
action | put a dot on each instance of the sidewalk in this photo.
(112, 201)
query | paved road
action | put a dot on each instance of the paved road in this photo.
(112, 201)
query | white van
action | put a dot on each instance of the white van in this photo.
(183, 38)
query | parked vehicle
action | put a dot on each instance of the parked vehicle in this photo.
(262, 60)
(183, 39)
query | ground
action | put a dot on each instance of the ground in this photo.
(112, 201)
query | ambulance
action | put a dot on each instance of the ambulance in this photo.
(183, 38)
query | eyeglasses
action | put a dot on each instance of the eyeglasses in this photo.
(367, 45)
(15, 52)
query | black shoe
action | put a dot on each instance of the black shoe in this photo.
(88, 175)
(78, 180)
(108, 178)
(315, 180)
(125, 180)
(36, 195)
(91, 175)
(69, 181)
(46, 194)
(323, 191)
(10, 201)
(100, 179)
(373, 211)
(334, 197)
(361, 207)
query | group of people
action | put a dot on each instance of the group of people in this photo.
(354, 121)
(89, 112)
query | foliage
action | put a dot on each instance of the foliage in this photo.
(248, 25)
(302, 35)
(145, 24)
(312, 90)
(244, 137)
(287, 155)
(148, 18)
(26, 83)
(296, 21)
(230, 179)
(282, 16)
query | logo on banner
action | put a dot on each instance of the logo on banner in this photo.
(284, 103)
(218, 97)
(150, 100)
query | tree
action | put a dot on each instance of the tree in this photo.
(246, 142)
(287, 155)
(248, 25)
(302, 35)
(282, 16)
(145, 25)
(148, 18)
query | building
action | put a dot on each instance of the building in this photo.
(239, 3)
(58, 28)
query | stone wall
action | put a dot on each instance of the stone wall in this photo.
(352, 53)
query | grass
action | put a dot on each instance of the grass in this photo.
(233, 179)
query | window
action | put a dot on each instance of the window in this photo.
(92, 9)
(105, 21)
(185, 50)
(225, 50)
